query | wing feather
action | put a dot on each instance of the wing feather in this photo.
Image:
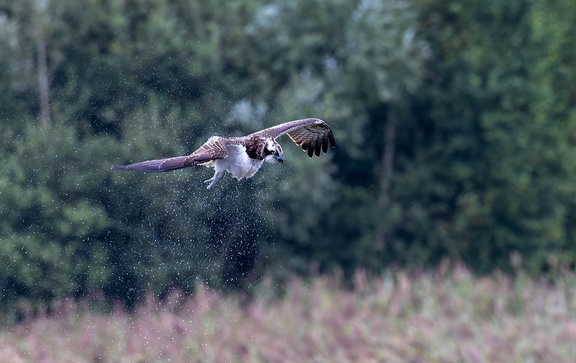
(312, 135)
(155, 165)
(214, 148)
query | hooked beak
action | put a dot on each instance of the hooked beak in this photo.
(279, 158)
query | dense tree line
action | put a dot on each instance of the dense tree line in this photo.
(455, 123)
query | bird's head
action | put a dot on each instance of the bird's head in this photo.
(273, 152)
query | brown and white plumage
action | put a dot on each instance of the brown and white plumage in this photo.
(243, 156)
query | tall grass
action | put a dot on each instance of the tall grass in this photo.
(449, 316)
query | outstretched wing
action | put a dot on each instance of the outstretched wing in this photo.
(311, 134)
(214, 148)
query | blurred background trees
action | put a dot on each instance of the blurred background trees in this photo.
(455, 124)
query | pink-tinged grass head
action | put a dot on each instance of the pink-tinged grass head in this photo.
(447, 315)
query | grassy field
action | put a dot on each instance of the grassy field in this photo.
(441, 317)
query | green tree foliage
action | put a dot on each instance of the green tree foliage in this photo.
(500, 146)
(349, 73)
(454, 121)
(129, 81)
(54, 226)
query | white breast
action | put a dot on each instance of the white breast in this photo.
(238, 163)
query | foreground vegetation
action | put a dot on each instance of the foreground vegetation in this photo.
(447, 316)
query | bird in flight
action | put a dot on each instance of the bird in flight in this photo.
(243, 156)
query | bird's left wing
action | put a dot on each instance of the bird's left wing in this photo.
(311, 134)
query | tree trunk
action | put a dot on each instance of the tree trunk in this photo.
(43, 78)
(387, 166)
(388, 155)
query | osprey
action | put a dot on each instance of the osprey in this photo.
(243, 156)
